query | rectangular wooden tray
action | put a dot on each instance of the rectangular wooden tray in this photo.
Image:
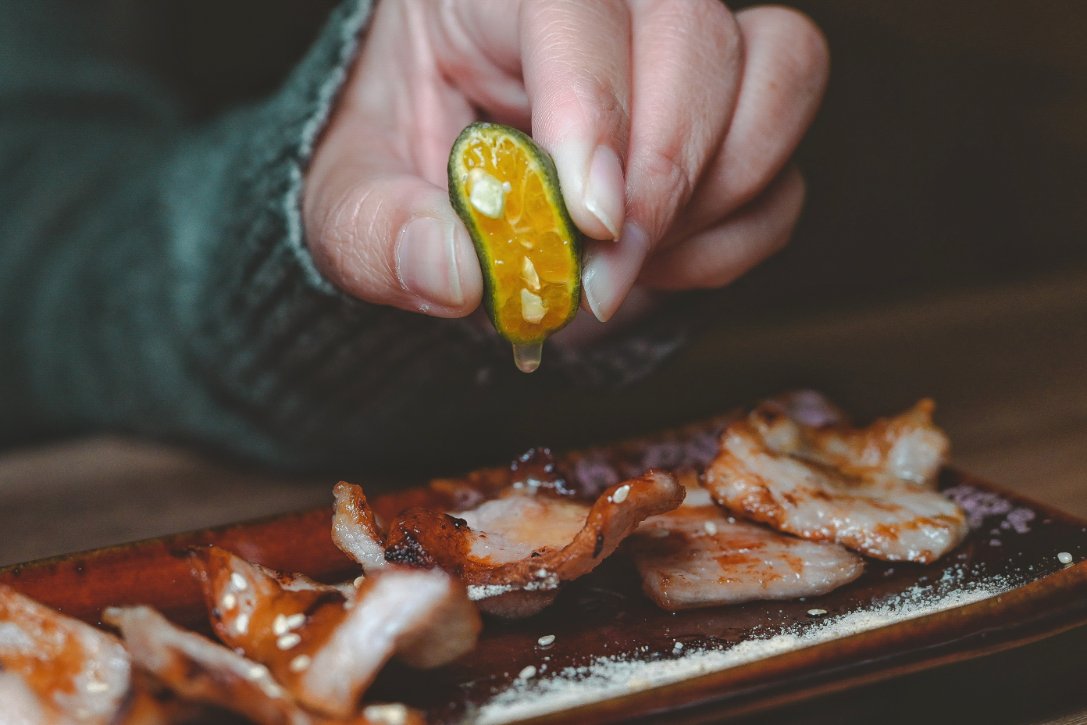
(616, 657)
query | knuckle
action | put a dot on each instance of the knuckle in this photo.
(599, 102)
(708, 21)
(592, 99)
(668, 183)
(346, 232)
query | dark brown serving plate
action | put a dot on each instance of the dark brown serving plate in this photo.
(1003, 587)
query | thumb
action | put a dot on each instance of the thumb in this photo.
(392, 238)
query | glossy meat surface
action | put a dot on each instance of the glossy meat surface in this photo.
(355, 530)
(197, 669)
(906, 447)
(59, 667)
(869, 489)
(325, 647)
(698, 556)
(515, 550)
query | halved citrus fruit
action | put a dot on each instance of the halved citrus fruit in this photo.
(506, 190)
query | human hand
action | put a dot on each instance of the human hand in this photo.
(671, 123)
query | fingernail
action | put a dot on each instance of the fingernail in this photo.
(611, 269)
(426, 262)
(605, 190)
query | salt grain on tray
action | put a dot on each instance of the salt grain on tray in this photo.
(616, 676)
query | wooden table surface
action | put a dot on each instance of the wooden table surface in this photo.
(1007, 366)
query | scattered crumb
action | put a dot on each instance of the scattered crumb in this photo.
(546, 641)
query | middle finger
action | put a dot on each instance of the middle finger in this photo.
(687, 59)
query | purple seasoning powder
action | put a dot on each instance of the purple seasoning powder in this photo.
(978, 504)
(1018, 519)
(594, 473)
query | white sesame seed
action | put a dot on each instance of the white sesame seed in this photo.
(96, 686)
(659, 533)
(541, 573)
(279, 625)
(229, 600)
(288, 640)
(677, 647)
(1064, 557)
(816, 612)
(710, 527)
(241, 623)
(527, 673)
(239, 581)
(621, 493)
(359, 580)
(391, 714)
(299, 663)
(546, 641)
(271, 688)
(296, 620)
(732, 519)
(256, 672)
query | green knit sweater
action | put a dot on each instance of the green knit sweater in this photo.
(154, 277)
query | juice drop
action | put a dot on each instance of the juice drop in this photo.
(527, 357)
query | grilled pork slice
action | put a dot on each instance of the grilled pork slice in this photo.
(906, 447)
(55, 668)
(869, 489)
(199, 670)
(698, 556)
(355, 530)
(324, 647)
(515, 550)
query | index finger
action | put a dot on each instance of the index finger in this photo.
(687, 65)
